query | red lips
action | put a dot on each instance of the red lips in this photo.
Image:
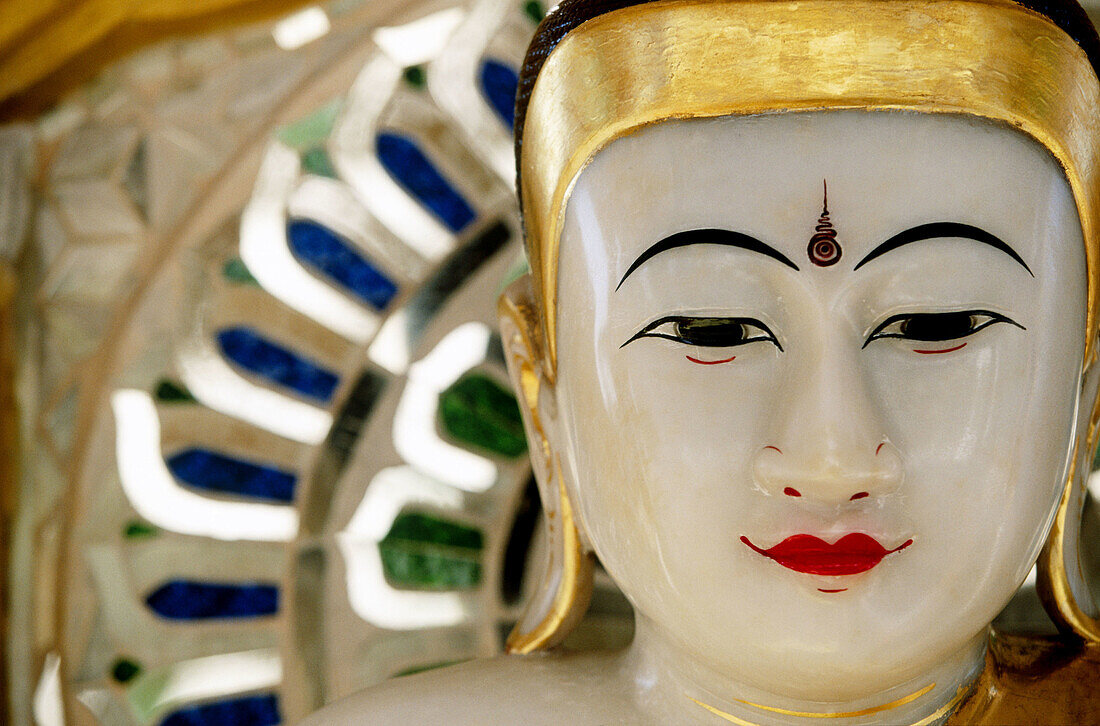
(851, 554)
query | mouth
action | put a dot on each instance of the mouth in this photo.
(850, 555)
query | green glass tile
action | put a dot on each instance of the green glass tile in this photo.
(316, 161)
(534, 10)
(430, 667)
(170, 392)
(426, 552)
(481, 413)
(137, 529)
(312, 130)
(416, 77)
(432, 530)
(408, 566)
(234, 270)
(1096, 460)
(125, 670)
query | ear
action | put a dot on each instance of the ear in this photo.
(561, 597)
(521, 335)
(1061, 582)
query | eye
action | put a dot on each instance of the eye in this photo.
(707, 332)
(938, 327)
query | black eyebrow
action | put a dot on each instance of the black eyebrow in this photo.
(934, 230)
(725, 237)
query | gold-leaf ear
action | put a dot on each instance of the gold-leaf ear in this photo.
(561, 597)
(521, 338)
(1071, 608)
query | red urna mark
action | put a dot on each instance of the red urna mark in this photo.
(710, 362)
(842, 589)
(858, 495)
(791, 492)
(823, 249)
(945, 350)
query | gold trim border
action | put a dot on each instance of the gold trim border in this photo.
(846, 714)
(939, 713)
(682, 59)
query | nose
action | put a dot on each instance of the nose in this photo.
(830, 445)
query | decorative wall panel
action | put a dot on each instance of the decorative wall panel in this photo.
(279, 458)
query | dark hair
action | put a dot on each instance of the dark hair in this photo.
(1066, 14)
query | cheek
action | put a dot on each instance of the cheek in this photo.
(661, 452)
(985, 438)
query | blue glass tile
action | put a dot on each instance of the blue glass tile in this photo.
(408, 165)
(250, 350)
(261, 710)
(499, 83)
(321, 248)
(213, 472)
(193, 600)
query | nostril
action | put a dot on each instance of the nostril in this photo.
(858, 495)
(879, 448)
(792, 492)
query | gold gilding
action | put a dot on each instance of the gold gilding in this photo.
(722, 714)
(574, 586)
(1053, 582)
(683, 59)
(846, 714)
(573, 593)
(939, 713)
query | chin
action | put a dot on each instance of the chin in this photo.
(815, 649)
(814, 671)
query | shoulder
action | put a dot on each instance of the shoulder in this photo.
(1035, 679)
(581, 690)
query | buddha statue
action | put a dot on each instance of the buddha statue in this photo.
(807, 358)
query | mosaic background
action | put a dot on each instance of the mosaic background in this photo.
(269, 451)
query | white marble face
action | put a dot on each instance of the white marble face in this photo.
(822, 481)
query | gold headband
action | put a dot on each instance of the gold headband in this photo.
(681, 59)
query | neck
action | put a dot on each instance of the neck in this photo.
(677, 688)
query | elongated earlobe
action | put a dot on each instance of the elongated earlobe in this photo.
(1060, 582)
(561, 597)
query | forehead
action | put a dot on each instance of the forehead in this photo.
(764, 176)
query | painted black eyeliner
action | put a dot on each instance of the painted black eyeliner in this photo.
(993, 319)
(646, 332)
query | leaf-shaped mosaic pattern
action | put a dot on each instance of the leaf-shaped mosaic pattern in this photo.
(481, 413)
(427, 552)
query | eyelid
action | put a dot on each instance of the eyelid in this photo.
(647, 330)
(994, 317)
